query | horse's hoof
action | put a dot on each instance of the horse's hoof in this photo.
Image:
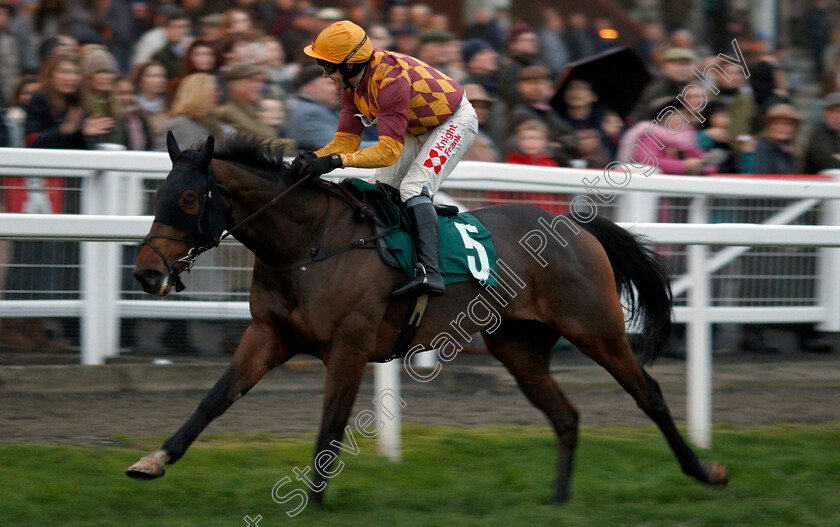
(149, 467)
(716, 474)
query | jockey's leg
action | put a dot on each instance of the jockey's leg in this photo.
(393, 174)
(427, 277)
(442, 149)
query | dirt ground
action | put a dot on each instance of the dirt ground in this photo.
(794, 388)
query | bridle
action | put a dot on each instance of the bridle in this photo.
(208, 226)
(197, 231)
(195, 251)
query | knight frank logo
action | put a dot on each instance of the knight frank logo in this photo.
(435, 161)
(441, 151)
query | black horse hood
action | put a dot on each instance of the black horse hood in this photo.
(191, 170)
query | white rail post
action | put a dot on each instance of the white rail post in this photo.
(699, 338)
(636, 207)
(829, 267)
(115, 204)
(387, 377)
(100, 273)
(93, 324)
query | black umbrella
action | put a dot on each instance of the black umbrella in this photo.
(616, 75)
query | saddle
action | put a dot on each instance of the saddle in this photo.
(392, 229)
(383, 202)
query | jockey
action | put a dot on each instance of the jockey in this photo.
(425, 123)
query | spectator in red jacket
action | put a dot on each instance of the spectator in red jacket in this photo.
(531, 139)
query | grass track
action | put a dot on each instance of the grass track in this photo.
(782, 475)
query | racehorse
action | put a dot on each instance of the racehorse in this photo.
(340, 309)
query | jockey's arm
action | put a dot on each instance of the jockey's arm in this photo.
(342, 143)
(393, 123)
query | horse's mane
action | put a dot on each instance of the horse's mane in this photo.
(255, 152)
(260, 153)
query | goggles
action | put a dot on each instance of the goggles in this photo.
(329, 68)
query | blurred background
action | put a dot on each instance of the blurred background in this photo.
(749, 89)
(555, 84)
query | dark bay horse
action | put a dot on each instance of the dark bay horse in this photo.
(341, 311)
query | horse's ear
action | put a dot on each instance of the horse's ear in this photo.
(172, 146)
(202, 160)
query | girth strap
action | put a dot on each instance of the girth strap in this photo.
(410, 327)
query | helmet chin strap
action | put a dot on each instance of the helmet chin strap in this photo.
(347, 73)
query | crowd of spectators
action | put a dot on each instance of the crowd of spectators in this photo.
(81, 73)
(87, 74)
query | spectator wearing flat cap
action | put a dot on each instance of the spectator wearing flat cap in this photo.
(245, 85)
(534, 87)
(434, 50)
(523, 50)
(314, 113)
(822, 151)
(676, 75)
(776, 153)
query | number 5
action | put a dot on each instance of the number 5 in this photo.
(484, 272)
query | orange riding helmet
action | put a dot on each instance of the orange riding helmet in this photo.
(342, 46)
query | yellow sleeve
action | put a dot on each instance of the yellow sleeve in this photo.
(383, 154)
(341, 144)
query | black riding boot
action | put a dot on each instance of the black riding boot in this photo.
(427, 278)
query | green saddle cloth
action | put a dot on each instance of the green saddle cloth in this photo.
(465, 250)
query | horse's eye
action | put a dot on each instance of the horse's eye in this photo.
(189, 202)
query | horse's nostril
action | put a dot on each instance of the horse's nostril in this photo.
(149, 277)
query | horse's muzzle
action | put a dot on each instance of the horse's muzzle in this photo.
(153, 281)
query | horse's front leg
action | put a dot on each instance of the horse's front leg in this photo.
(345, 368)
(258, 352)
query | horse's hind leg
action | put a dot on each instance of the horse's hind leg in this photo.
(524, 348)
(615, 355)
(258, 352)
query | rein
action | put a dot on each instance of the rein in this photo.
(260, 210)
(194, 252)
(316, 254)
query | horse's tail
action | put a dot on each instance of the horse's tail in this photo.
(641, 276)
